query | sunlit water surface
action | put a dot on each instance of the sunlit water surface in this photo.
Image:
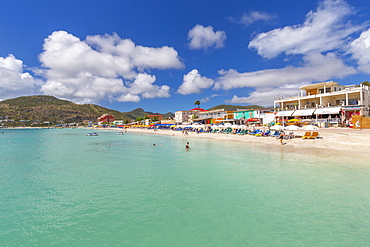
(63, 188)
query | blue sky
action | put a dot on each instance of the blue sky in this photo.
(164, 55)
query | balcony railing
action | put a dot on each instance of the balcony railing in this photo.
(353, 89)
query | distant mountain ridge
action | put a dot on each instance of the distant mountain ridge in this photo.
(50, 108)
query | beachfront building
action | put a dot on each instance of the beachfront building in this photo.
(168, 121)
(254, 116)
(155, 117)
(182, 116)
(119, 122)
(266, 117)
(216, 116)
(106, 118)
(187, 116)
(326, 102)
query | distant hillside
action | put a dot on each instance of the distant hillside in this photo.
(49, 108)
(139, 112)
(235, 107)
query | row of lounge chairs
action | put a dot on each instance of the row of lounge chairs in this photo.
(258, 132)
(309, 135)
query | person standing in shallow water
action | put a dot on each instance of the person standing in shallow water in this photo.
(187, 146)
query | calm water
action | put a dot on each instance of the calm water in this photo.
(63, 188)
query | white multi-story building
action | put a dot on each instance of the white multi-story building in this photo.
(182, 116)
(326, 99)
(187, 116)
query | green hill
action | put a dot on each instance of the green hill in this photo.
(41, 108)
(48, 108)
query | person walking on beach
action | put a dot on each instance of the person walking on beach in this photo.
(281, 137)
(187, 146)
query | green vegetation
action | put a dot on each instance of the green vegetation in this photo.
(365, 83)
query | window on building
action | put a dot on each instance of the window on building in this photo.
(353, 101)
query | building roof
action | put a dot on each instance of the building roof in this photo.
(318, 85)
(197, 109)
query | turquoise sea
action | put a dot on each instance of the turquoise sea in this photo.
(63, 188)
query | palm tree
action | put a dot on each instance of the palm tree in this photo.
(197, 103)
(365, 83)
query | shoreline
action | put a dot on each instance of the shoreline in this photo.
(333, 143)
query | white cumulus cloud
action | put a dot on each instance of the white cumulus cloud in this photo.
(360, 49)
(265, 96)
(103, 67)
(323, 30)
(143, 85)
(201, 37)
(194, 83)
(14, 81)
(272, 82)
(317, 67)
(252, 17)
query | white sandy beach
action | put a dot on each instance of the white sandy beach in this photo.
(333, 142)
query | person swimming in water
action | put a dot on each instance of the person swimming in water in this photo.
(187, 146)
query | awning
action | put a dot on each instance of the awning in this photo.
(304, 112)
(328, 110)
(352, 108)
(253, 120)
(284, 113)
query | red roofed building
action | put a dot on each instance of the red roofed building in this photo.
(106, 118)
(197, 109)
(185, 116)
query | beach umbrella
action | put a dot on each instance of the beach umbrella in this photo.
(252, 119)
(292, 127)
(277, 127)
(310, 127)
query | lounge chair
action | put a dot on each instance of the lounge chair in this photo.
(267, 133)
(259, 134)
(314, 135)
(306, 135)
(243, 132)
(255, 132)
(275, 134)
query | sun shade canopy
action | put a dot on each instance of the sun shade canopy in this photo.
(304, 112)
(328, 110)
(284, 113)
